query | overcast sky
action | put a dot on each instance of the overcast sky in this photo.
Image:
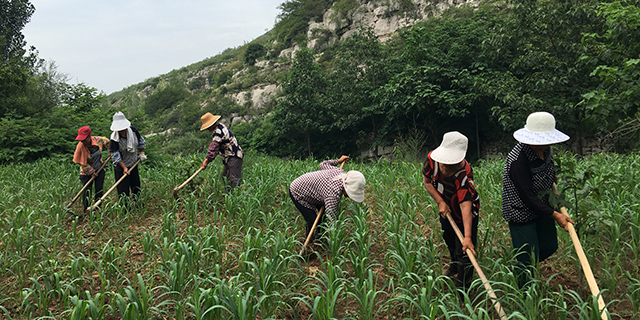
(112, 44)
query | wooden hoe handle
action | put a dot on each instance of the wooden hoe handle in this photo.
(485, 282)
(586, 268)
(111, 189)
(86, 184)
(176, 189)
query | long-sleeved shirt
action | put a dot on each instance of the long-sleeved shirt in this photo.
(525, 176)
(318, 188)
(119, 151)
(223, 139)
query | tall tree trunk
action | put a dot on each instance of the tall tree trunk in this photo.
(309, 143)
(477, 134)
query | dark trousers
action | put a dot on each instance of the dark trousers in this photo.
(533, 242)
(98, 183)
(309, 215)
(232, 171)
(460, 262)
(130, 184)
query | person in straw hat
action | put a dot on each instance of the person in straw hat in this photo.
(88, 155)
(448, 178)
(124, 145)
(325, 187)
(529, 173)
(225, 144)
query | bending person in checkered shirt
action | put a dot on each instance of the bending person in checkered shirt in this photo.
(448, 178)
(313, 190)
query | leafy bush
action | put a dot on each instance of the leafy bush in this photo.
(253, 52)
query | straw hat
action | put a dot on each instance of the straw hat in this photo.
(120, 122)
(208, 120)
(353, 184)
(452, 150)
(540, 130)
(83, 133)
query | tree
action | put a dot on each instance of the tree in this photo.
(14, 16)
(253, 52)
(539, 66)
(301, 111)
(434, 91)
(615, 52)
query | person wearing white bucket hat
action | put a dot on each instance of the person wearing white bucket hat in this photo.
(528, 177)
(225, 144)
(312, 190)
(124, 145)
(448, 178)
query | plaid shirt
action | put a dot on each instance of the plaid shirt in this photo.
(318, 188)
(455, 189)
(223, 138)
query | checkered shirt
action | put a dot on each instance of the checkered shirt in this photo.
(318, 188)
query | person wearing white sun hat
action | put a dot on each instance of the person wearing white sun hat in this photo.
(310, 191)
(528, 178)
(448, 178)
(225, 144)
(124, 145)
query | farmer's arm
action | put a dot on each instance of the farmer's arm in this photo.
(443, 207)
(520, 174)
(467, 221)
(329, 164)
(214, 149)
(114, 149)
(523, 182)
(331, 208)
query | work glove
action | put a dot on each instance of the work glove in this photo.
(143, 157)
(89, 170)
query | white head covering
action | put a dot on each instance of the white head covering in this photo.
(120, 122)
(452, 150)
(540, 130)
(353, 182)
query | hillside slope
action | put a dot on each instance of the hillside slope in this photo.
(244, 83)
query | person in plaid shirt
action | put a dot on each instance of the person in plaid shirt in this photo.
(448, 178)
(225, 144)
(312, 190)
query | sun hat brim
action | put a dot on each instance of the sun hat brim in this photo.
(120, 125)
(210, 122)
(448, 155)
(540, 138)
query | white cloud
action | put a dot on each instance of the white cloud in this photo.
(116, 43)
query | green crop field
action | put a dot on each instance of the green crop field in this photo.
(213, 255)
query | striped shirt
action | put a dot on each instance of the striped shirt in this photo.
(318, 188)
(455, 189)
(223, 139)
(525, 177)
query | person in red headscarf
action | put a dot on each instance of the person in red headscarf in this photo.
(88, 155)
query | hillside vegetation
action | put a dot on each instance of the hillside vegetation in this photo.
(324, 82)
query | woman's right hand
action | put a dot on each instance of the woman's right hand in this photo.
(563, 220)
(444, 209)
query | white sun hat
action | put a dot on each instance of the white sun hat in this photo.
(354, 185)
(120, 122)
(540, 130)
(452, 150)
